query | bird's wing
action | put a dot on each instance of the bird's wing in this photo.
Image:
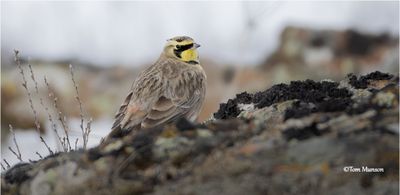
(167, 110)
(121, 112)
(145, 92)
(156, 99)
(182, 97)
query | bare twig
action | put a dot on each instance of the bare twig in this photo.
(45, 107)
(102, 140)
(33, 78)
(76, 144)
(85, 131)
(15, 153)
(53, 124)
(8, 164)
(40, 156)
(2, 166)
(62, 119)
(25, 85)
(47, 146)
(88, 129)
(18, 153)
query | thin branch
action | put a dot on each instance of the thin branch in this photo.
(77, 97)
(62, 119)
(47, 146)
(102, 140)
(18, 153)
(88, 129)
(53, 124)
(76, 144)
(40, 156)
(15, 154)
(2, 166)
(8, 164)
(33, 78)
(25, 85)
(45, 107)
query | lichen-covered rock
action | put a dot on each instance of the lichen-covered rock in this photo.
(299, 138)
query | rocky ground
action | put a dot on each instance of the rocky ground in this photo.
(294, 138)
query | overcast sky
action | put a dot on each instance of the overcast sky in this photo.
(133, 33)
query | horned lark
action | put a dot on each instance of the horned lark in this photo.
(172, 88)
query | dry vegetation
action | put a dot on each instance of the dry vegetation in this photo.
(62, 138)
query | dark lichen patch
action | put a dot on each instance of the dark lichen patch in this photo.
(230, 109)
(306, 91)
(18, 173)
(227, 110)
(321, 94)
(363, 81)
(244, 98)
(302, 133)
(94, 154)
(300, 109)
(361, 108)
(334, 105)
(143, 144)
(357, 83)
(183, 124)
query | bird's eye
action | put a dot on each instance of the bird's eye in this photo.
(178, 47)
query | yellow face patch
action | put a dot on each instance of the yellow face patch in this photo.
(183, 48)
(189, 55)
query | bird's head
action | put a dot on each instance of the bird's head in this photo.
(182, 48)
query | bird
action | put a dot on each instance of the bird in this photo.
(174, 87)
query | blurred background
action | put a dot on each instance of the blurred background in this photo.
(246, 46)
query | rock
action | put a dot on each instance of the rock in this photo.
(297, 138)
(307, 53)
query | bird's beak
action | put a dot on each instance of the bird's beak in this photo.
(196, 45)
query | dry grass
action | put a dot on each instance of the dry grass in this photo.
(18, 152)
(63, 140)
(25, 85)
(85, 131)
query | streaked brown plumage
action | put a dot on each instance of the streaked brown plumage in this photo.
(171, 88)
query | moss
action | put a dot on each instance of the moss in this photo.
(322, 93)
(18, 173)
(363, 81)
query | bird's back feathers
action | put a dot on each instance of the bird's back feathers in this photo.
(164, 92)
